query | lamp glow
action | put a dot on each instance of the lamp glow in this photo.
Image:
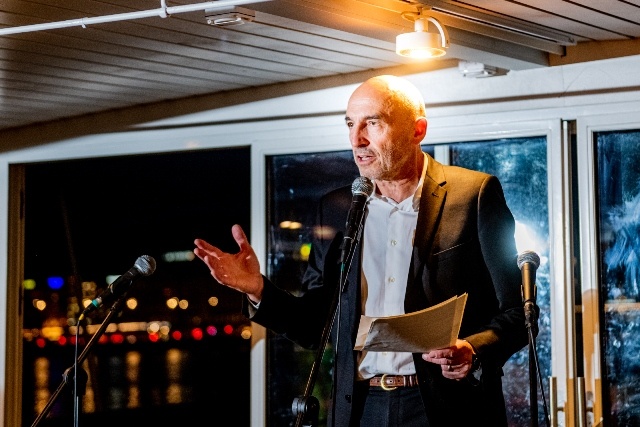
(421, 43)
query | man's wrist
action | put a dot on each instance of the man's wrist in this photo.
(475, 360)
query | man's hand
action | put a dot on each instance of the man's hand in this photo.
(240, 271)
(455, 361)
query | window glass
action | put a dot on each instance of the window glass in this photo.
(178, 350)
(618, 188)
(295, 184)
(521, 166)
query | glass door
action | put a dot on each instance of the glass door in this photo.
(521, 166)
(609, 173)
(527, 167)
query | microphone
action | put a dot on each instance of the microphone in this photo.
(144, 266)
(361, 189)
(528, 262)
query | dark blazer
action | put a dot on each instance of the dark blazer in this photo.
(464, 242)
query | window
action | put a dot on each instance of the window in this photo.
(297, 181)
(521, 166)
(618, 179)
(182, 353)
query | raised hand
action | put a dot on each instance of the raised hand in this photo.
(240, 271)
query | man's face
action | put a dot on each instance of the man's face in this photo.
(379, 132)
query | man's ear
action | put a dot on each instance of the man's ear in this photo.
(420, 129)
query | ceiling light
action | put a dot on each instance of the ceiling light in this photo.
(422, 43)
(225, 17)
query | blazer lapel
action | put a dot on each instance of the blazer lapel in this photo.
(431, 206)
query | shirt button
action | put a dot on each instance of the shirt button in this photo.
(392, 279)
(394, 242)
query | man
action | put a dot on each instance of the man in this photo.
(431, 232)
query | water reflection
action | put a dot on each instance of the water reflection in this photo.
(152, 380)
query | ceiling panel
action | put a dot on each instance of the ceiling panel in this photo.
(128, 58)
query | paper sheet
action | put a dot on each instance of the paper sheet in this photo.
(419, 332)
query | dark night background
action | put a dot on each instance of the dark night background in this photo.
(86, 219)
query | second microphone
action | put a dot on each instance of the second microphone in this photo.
(144, 266)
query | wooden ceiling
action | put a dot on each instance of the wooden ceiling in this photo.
(73, 58)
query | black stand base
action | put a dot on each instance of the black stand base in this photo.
(308, 409)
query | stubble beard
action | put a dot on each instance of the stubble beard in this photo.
(382, 168)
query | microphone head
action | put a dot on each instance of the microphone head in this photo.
(362, 185)
(528, 256)
(145, 265)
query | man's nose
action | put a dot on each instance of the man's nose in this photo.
(358, 137)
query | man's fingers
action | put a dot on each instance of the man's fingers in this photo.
(204, 248)
(239, 236)
(202, 244)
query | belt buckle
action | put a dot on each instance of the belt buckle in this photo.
(384, 386)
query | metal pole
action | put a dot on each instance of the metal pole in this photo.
(162, 12)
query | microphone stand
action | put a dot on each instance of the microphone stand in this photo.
(306, 407)
(82, 376)
(531, 321)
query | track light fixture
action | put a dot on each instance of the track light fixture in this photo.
(230, 16)
(421, 43)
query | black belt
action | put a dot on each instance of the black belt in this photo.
(391, 382)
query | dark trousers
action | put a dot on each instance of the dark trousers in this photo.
(401, 407)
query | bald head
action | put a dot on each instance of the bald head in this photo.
(397, 93)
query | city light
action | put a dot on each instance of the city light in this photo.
(290, 225)
(178, 256)
(55, 282)
(132, 303)
(116, 338)
(197, 334)
(305, 250)
(246, 332)
(52, 332)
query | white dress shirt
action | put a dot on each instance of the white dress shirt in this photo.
(387, 243)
